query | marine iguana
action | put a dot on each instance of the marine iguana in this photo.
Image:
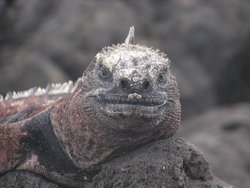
(125, 98)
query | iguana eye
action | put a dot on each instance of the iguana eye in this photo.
(162, 77)
(104, 73)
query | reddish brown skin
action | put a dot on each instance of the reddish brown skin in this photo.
(10, 136)
(11, 133)
(12, 107)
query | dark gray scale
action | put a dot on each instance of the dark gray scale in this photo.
(43, 142)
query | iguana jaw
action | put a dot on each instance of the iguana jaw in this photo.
(134, 104)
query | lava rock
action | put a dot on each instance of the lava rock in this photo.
(170, 163)
(223, 134)
(24, 179)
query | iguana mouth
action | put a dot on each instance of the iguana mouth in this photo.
(132, 105)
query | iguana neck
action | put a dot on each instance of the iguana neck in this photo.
(84, 138)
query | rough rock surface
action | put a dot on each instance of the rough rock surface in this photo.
(18, 179)
(223, 134)
(170, 163)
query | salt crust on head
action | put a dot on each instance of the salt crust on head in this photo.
(124, 56)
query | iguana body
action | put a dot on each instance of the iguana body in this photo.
(125, 98)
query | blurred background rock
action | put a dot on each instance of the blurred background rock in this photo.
(208, 42)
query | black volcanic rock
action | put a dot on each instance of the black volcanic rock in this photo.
(170, 163)
(223, 134)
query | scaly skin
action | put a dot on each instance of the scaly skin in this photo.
(126, 97)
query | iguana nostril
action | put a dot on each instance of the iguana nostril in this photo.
(124, 83)
(145, 84)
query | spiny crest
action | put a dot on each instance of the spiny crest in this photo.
(131, 36)
(51, 89)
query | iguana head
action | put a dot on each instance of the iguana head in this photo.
(126, 97)
(131, 86)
